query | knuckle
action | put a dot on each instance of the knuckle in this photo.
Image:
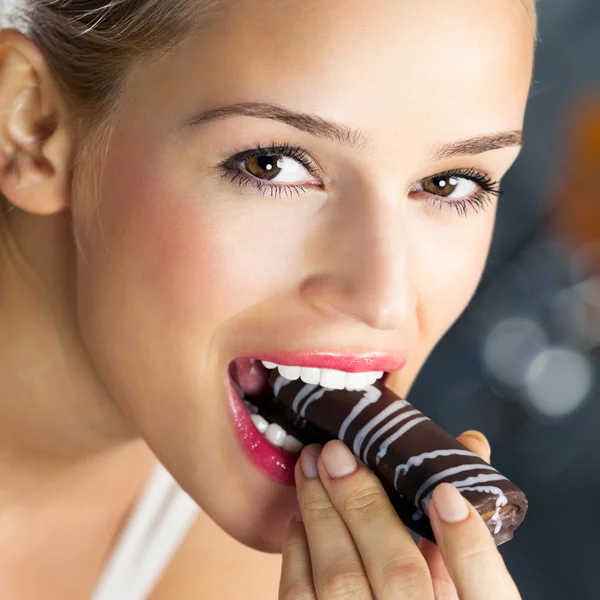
(292, 543)
(366, 501)
(298, 590)
(343, 582)
(475, 549)
(408, 576)
(317, 507)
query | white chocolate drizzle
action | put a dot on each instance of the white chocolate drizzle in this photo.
(314, 396)
(417, 461)
(395, 421)
(455, 471)
(398, 434)
(281, 382)
(373, 431)
(372, 394)
(303, 393)
(384, 414)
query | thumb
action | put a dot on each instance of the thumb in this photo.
(476, 442)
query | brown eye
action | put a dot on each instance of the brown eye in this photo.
(264, 166)
(441, 185)
(277, 168)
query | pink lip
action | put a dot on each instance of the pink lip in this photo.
(350, 363)
(275, 463)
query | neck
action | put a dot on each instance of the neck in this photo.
(55, 413)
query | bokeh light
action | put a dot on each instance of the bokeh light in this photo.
(558, 381)
(510, 347)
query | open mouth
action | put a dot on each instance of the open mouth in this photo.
(273, 420)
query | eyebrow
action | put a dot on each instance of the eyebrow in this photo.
(347, 136)
(308, 123)
(480, 144)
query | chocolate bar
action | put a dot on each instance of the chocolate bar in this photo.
(408, 452)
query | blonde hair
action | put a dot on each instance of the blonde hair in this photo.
(89, 44)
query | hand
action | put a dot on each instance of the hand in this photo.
(351, 544)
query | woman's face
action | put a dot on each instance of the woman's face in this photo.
(343, 235)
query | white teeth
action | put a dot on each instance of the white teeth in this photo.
(357, 381)
(328, 378)
(291, 373)
(260, 422)
(291, 444)
(275, 434)
(272, 432)
(371, 379)
(311, 376)
(334, 380)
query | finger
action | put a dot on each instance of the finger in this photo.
(476, 442)
(468, 548)
(443, 585)
(337, 568)
(296, 575)
(394, 565)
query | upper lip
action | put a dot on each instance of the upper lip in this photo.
(339, 361)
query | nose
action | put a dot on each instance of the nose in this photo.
(361, 267)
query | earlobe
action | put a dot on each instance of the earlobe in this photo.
(34, 140)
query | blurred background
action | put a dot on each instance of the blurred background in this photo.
(522, 364)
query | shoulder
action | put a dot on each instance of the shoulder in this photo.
(207, 559)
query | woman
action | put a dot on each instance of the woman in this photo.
(191, 187)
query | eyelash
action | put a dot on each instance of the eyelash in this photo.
(231, 170)
(488, 188)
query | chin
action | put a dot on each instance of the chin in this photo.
(264, 535)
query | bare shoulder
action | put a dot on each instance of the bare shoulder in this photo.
(211, 564)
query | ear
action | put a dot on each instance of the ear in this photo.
(35, 141)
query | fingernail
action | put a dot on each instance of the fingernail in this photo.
(449, 503)
(309, 461)
(338, 459)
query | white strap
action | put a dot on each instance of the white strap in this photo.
(157, 526)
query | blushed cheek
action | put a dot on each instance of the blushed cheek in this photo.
(195, 259)
(178, 262)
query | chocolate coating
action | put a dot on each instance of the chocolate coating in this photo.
(408, 452)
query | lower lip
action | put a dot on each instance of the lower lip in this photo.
(276, 464)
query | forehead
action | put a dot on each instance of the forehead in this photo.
(386, 66)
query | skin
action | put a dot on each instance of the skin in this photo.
(124, 299)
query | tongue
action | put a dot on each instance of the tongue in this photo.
(250, 375)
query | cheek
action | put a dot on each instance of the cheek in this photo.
(450, 265)
(188, 255)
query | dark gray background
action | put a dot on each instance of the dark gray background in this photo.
(550, 450)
